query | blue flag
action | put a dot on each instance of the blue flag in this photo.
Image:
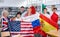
(14, 26)
(35, 23)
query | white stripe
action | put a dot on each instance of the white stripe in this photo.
(4, 28)
(26, 28)
(31, 18)
(24, 35)
(4, 25)
(25, 23)
(5, 21)
(27, 32)
(23, 32)
(28, 35)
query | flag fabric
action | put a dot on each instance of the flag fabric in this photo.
(14, 26)
(31, 17)
(23, 28)
(5, 24)
(54, 17)
(34, 19)
(36, 26)
(36, 23)
(48, 24)
(43, 6)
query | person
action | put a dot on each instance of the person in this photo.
(5, 20)
(29, 16)
(17, 17)
(55, 15)
(30, 11)
(59, 22)
(22, 10)
(46, 13)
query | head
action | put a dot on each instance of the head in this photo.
(5, 13)
(22, 8)
(29, 10)
(18, 15)
(45, 10)
(32, 10)
(54, 9)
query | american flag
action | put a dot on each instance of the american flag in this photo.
(26, 30)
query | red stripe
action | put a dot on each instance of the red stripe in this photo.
(25, 22)
(25, 32)
(49, 20)
(5, 23)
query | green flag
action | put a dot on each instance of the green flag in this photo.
(43, 6)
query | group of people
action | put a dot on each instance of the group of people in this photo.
(30, 11)
(18, 17)
(54, 15)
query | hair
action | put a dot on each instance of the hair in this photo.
(45, 8)
(54, 9)
(18, 13)
(4, 11)
(33, 10)
(22, 6)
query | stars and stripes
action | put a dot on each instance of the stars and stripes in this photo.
(26, 29)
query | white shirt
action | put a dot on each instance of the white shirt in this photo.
(47, 15)
(24, 14)
(18, 19)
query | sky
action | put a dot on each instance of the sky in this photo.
(18, 3)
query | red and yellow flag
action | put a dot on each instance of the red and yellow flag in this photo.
(48, 24)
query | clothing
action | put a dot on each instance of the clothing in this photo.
(22, 12)
(26, 14)
(31, 18)
(47, 14)
(18, 19)
(5, 23)
(33, 11)
(54, 17)
(37, 35)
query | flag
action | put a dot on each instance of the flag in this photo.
(48, 24)
(34, 19)
(4, 24)
(36, 26)
(14, 26)
(43, 6)
(23, 28)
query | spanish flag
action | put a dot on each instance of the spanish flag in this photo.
(47, 24)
